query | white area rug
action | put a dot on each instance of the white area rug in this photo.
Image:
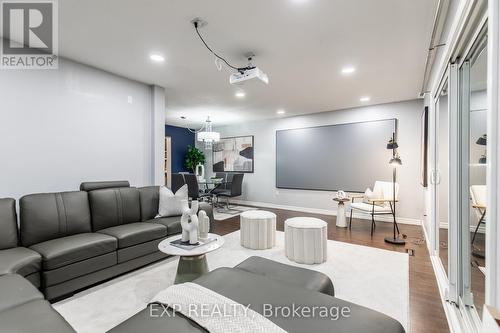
(233, 211)
(375, 278)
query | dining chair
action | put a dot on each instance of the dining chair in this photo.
(233, 188)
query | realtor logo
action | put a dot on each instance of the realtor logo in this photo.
(29, 33)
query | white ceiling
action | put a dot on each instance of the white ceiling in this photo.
(301, 44)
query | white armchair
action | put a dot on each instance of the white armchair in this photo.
(376, 202)
(478, 199)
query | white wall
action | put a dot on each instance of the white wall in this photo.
(260, 186)
(61, 127)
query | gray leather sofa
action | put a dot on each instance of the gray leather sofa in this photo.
(13, 258)
(24, 310)
(72, 240)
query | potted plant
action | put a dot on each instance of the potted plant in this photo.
(194, 156)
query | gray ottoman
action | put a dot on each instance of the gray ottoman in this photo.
(301, 277)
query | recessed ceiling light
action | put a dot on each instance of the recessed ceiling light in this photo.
(240, 94)
(348, 70)
(280, 111)
(364, 99)
(157, 58)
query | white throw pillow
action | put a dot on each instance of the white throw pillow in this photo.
(170, 203)
(368, 195)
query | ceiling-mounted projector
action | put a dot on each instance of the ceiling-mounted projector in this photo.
(243, 73)
(246, 74)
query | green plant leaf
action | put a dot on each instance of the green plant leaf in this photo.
(194, 156)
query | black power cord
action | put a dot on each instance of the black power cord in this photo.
(239, 69)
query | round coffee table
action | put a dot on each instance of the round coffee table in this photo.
(192, 263)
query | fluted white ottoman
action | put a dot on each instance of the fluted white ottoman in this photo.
(258, 229)
(305, 240)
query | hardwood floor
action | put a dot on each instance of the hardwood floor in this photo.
(426, 311)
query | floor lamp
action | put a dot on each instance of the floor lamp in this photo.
(395, 162)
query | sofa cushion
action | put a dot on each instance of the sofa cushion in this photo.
(114, 206)
(135, 233)
(19, 260)
(35, 316)
(77, 269)
(150, 198)
(67, 250)
(48, 216)
(16, 290)
(302, 277)
(92, 186)
(139, 250)
(172, 223)
(8, 223)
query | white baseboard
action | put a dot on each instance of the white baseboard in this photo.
(481, 230)
(379, 218)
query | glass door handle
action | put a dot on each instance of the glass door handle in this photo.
(435, 177)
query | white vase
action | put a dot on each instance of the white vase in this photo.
(200, 171)
(203, 225)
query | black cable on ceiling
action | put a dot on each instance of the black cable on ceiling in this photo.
(215, 54)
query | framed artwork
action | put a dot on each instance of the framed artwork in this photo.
(233, 154)
(424, 148)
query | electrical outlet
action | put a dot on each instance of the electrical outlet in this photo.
(130, 100)
(277, 192)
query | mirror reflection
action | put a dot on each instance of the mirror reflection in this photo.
(477, 174)
(443, 166)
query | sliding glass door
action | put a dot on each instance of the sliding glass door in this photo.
(441, 176)
(473, 187)
(459, 185)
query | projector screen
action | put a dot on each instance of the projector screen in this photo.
(349, 157)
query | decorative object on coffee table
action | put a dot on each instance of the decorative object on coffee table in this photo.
(203, 225)
(192, 263)
(258, 229)
(305, 240)
(189, 222)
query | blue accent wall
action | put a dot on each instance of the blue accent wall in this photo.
(181, 139)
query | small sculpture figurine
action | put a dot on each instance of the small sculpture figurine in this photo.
(203, 225)
(189, 222)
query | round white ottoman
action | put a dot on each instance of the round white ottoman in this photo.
(258, 229)
(305, 240)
